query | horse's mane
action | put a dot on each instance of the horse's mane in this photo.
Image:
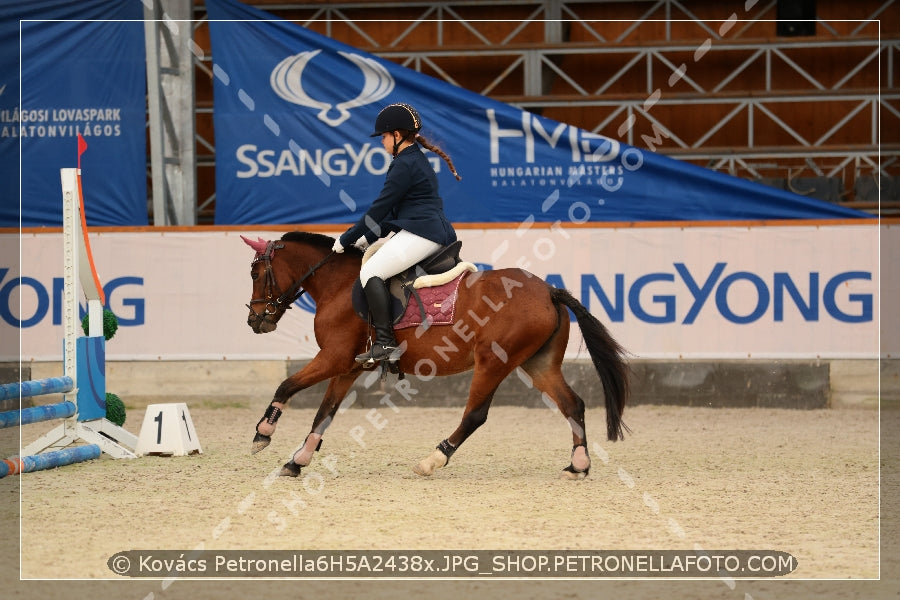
(317, 240)
(307, 237)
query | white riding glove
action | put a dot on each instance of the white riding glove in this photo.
(337, 246)
(362, 243)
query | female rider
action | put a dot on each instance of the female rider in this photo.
(409, 210)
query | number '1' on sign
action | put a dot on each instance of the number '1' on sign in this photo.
(168, 430)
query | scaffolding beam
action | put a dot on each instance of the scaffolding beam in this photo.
(171, 98)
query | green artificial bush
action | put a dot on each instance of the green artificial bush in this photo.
(110, 324)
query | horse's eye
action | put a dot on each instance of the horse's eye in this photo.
(254, 275)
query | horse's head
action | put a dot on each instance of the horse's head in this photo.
(279, 281)
(267, 303)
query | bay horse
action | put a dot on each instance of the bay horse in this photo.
(509, 319)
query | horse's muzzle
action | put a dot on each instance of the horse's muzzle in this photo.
(264, 322)
(262, 325)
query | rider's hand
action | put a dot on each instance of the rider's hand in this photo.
(362, 243)
(337, 246)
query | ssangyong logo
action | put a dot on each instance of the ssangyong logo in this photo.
(287, 81)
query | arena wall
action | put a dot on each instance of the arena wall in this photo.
(809, 336)
(716, 384)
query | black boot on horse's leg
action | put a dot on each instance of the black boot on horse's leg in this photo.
(270, 417)
(385, 345)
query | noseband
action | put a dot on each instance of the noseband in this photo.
(284, 300)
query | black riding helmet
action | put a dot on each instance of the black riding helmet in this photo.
(397, 117)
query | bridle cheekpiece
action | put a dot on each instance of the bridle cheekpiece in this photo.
(271, 305)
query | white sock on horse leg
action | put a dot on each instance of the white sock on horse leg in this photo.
(580, 458)
(427, 465)
(304, 455)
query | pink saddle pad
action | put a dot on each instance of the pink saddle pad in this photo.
(439, 303)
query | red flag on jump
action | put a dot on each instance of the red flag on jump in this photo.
(82, 146)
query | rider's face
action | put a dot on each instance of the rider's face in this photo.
(387, 140)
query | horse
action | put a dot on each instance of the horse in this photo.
(508, 319)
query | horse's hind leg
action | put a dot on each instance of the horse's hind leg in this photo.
(571, 406)
(474, 416)
(481, 392)
(545, 370)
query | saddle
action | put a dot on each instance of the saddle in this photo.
(442, 267)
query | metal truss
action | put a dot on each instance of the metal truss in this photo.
(755, 113)
(523, 72)
(170, 104)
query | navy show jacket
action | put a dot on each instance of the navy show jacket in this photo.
(408, 201)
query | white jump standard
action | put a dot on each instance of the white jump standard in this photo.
(84, 365)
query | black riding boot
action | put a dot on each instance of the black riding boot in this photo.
(385, 345)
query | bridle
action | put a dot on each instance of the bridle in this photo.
(284, 300)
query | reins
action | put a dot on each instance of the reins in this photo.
(296, 290)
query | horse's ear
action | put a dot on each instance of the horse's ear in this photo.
(259, 246)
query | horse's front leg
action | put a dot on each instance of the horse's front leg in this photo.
(337, 389)
(319, 369)
(266, 426)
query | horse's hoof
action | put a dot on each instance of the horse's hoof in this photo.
(260, 441)
(427, 465)
(290, 469)
(418, 470)
(573, 474)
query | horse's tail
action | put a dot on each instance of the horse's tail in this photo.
(608, 358)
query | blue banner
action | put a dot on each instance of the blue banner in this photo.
(294, 110)
(77, 76)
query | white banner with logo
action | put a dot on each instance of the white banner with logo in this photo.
(798, 291)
